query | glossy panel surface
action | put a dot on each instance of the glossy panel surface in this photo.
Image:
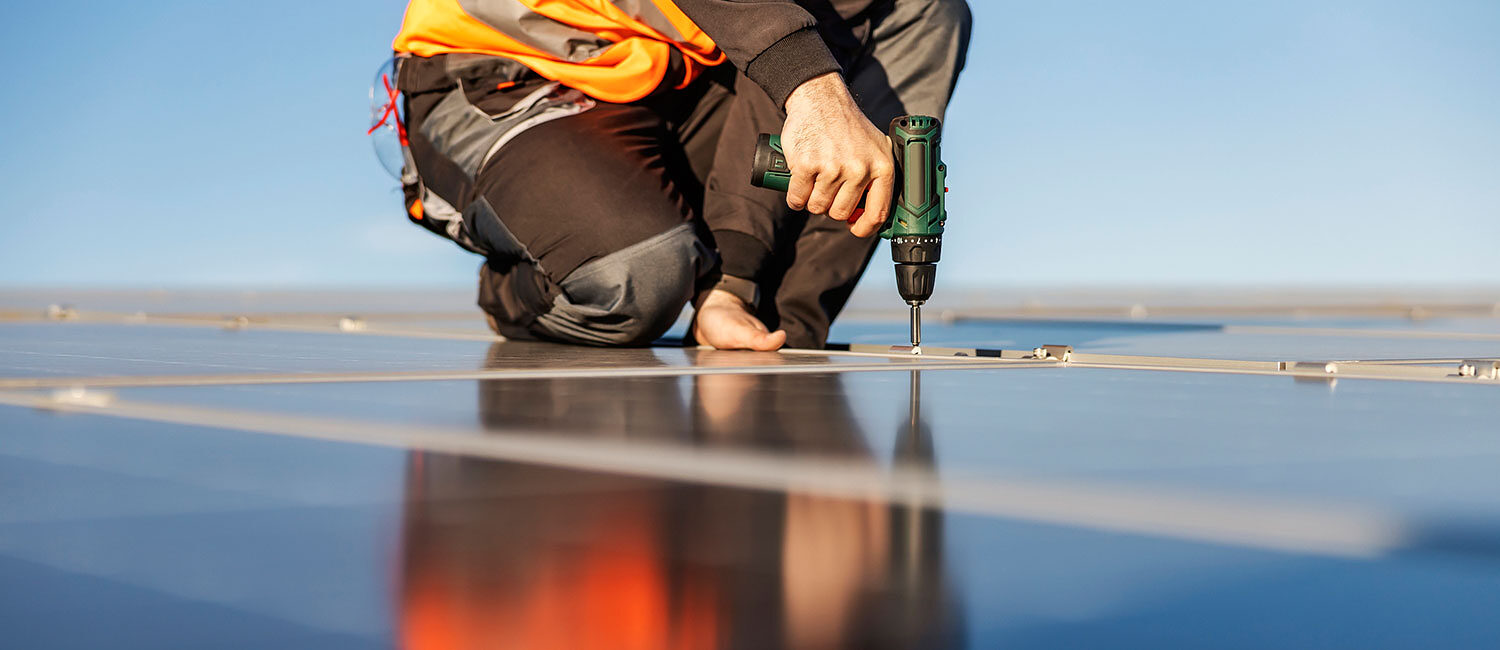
(89, 349)
(137, 535)
(1429, 449)
(1208, 340)
(1026, 507)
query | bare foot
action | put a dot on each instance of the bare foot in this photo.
(724, 322)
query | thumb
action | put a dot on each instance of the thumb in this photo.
(771, 341)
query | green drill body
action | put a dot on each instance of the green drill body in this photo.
(918, 207)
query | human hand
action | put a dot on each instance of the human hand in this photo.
(835, 154)
(725, 322)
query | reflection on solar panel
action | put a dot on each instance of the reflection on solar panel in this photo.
(386, 474)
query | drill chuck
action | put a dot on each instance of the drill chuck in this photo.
(916, 258)
(915, 281)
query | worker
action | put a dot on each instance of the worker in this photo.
(598, 154)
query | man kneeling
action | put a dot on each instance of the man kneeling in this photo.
(598, 155)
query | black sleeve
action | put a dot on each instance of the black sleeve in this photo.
(774, 42)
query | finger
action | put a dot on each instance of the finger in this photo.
(800, 188)
(848, 197)
(877, 203)
(824, 191)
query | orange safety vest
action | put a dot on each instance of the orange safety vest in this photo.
(596, 46)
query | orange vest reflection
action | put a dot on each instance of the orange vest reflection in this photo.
(506, 555)
(608, 589)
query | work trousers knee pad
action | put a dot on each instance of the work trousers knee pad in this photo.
(629, 297)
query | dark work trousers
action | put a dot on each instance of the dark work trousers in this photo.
(601, 221)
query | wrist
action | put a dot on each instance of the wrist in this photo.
(742, 292)
(818, 90)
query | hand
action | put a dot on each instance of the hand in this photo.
(835, 155)
(723, 321)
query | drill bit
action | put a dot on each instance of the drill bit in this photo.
(916, 327)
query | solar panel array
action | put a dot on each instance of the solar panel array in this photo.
(362, 472)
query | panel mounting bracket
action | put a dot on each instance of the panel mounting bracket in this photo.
(1062, 353)
(1479, 368)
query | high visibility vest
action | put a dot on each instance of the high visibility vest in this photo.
(612, 50)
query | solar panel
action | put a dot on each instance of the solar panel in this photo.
(332, 478)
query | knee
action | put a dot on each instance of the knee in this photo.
(950, 14)
(948, 24)
(631, 296)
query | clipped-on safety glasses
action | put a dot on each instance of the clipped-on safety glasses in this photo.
(387, 119)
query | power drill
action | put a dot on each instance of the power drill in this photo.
(918, 210)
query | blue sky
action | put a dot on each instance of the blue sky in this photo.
(213, 143)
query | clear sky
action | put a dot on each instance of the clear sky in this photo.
(209, 142)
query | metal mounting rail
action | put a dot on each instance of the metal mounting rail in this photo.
(1450, 370)
(1440, 370)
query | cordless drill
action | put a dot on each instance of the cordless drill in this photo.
(918, 211)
